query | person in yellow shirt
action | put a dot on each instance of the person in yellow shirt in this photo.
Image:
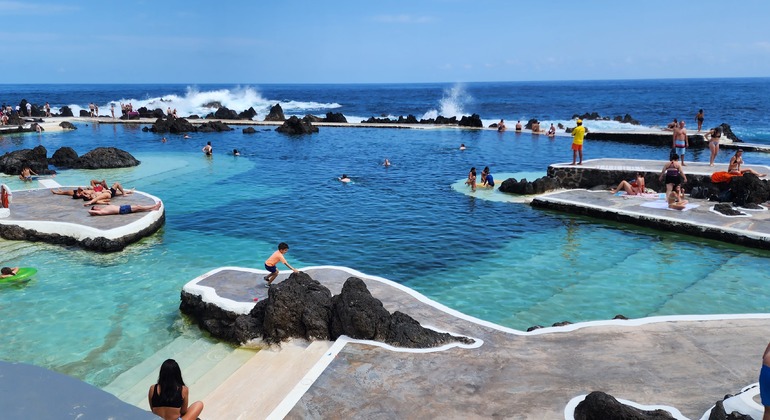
(270, 264)
(577, 142)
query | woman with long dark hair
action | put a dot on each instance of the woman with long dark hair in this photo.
(168, 398)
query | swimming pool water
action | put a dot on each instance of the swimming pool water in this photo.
(95, 315)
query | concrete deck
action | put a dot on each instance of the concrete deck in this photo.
(752, 229)
(683, 362)
(40, 215)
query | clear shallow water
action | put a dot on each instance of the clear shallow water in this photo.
(94, 315)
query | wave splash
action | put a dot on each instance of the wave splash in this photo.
(202, 103)
(451, 104)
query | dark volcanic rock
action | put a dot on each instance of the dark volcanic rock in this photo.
(472, 121)
(295, 125)
(312, 118)
(213, 127)
(12, 163)
(538, 186)
(105, 157)
(173, 126)
(249, 130)
(248, 114)
(276, 114)
(749, 189)
(65, 111)
(67, 125)
(728, 132)
(601, 406)
(84, 113)
(301, 307)
(225, 114)
(335, 117)
(727, 210)
(358, 314)
(64, 157)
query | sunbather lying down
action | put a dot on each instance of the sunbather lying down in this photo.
(104, 196)
(124, 209)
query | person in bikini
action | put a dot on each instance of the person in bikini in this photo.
(551, 131)
(699, 119)
(78, 193)
(104, 196)
(713, 137)
(518, 125)
(634, 187)
(673, 174)
(124, 209)
(472, 179)
(735, 165)
(501, 126)
(676, 199)
(169, 397)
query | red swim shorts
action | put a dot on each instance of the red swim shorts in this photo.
(577, 147)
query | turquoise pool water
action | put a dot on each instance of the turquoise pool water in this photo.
(95, 315)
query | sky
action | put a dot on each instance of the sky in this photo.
(234, 41)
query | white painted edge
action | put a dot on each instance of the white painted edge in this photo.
(569, 410)
(208, 294)
(81, 232)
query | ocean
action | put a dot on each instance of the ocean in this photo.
(95, 315)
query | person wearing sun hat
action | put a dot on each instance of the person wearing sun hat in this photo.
(578, 133)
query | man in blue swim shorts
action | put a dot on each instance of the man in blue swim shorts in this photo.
(124, 209)
(764, 382)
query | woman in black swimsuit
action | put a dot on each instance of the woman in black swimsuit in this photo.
(168, 398)
(673, 173)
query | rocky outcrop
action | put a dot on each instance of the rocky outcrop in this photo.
(64, 157)
(173, 126)
(524, 187)
(275, 114)
(295, 125)
(248, 114)
(472, 121)
(104, 158)
(409, 119)
(595, 116)
(36, 159)
(601, 406)
(213, 127)
(301, 307)
(65, 111)
(249, 130)
(335, 117)
(154, 113)
(312, 118)
(67, 125)
(223, 113)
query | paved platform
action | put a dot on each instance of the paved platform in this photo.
(750, 229)
(687, 363)
(39, 215)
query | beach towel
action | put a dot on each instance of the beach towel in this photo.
(664, 205)
(657, 196)
(720, 176)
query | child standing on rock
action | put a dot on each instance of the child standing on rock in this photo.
(270, 264)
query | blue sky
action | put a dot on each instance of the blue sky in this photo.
(233, 41)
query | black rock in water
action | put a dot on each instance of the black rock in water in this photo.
(295, 125)
(275, 114)
(64, 157)
(105, 157)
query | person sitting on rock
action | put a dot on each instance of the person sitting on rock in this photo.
(634, 187)
(735, 165)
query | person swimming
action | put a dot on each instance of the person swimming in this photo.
(344, 178)
(462, 146)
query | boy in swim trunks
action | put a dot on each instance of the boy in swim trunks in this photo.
(578, 133)
(270, 263)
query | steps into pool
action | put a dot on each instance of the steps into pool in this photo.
(233, 382)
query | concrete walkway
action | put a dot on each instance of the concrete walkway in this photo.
(685, 362)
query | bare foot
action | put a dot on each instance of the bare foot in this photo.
(580, 163)
(157, 205)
